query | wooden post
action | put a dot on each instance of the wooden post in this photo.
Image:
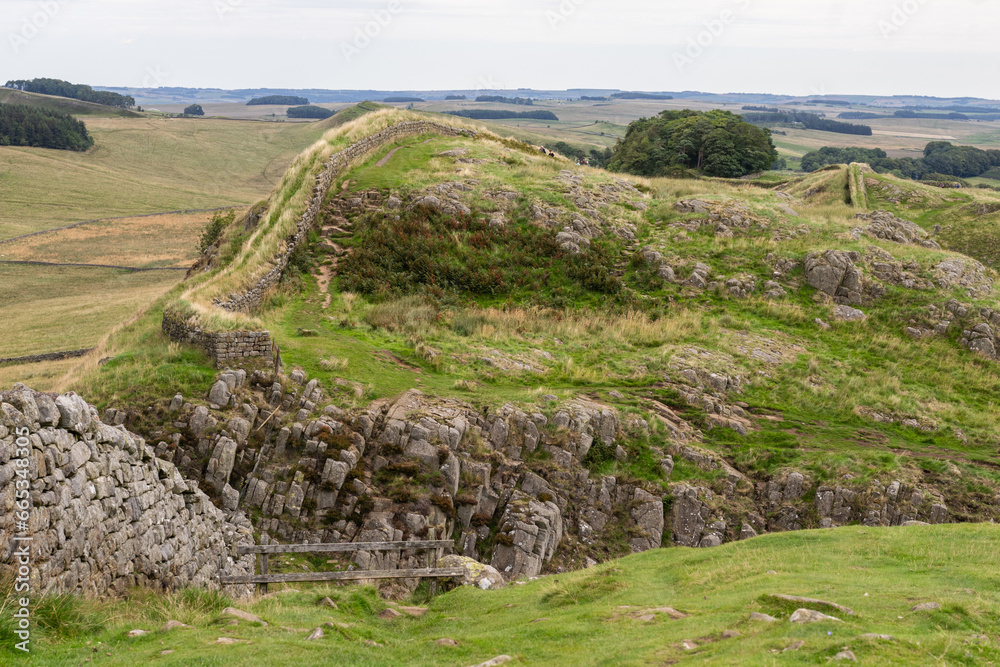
(263, 570)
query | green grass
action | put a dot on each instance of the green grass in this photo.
(51, 309)
(585, 617)
(146, 165)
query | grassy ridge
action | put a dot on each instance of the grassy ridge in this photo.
(591, 617)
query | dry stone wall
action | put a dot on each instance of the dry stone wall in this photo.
(335, 165)
(105, 514)
(225, 348)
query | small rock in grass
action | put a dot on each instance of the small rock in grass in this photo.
(499, 660)
(167, 652)
(756, 616)
(688, 645)
(445, 641)
(926, 606)
(369, 642)
(810, 616)
(846, 655)
(389, 614)
(327, 602)
(871, 636)
(226, 640)
(242, 615)
(794, 647)
(315, 634)
(137, 633)
(731, 634)
(414, 611)
(175, 625)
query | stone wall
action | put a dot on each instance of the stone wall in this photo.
(335, 165)
(223, 347)
(105, 513)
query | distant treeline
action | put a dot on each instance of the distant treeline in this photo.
(641, 96)
(34, 126)
(595, 99)
(391, 100)
(74, 91)
(287, 100)
(833, 103)
(941, 158)
(751, 107)
(456, 97)
(500, 99)
(500, 114)
(309, 112)
(811, 121)
(860, 115)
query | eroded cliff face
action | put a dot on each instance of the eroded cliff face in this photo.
(105, 514)
(514, 488)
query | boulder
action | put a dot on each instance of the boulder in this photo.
(811, 616)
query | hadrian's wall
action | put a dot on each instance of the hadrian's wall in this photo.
(105, 514)
(335, 165)
(223, 347)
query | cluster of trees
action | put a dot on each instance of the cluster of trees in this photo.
(310, 111)
(500, 114)
(811, 121)
(860, 115)
(595, 157)
(194, 110)
(719, 143)
(500, 99)
(941, 160)
(74, 91)
(396, 100)
(34, 126)
(641, 96)
(751, 107)
(456, 97)
(289, 100)
(586, 98)
(833, 103)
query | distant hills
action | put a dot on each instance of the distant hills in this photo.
(177, 95)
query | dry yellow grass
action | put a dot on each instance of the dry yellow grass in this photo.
(169, 240)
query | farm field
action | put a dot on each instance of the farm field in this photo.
(51, 309)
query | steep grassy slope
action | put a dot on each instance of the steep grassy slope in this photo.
(862, 400)
(598, 616)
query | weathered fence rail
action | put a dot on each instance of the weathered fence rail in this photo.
(432, 547)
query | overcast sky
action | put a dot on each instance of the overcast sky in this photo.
(802, 47)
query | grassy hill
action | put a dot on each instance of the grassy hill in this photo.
(601, 616)
(480, 270)
(63, 104)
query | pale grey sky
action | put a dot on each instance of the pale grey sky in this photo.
(801, 47)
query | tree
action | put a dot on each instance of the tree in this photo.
(718, 143)
(194, 110)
